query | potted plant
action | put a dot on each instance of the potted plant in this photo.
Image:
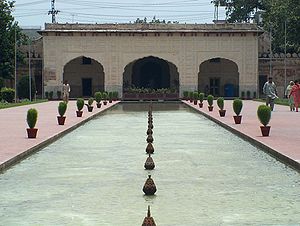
(104, 97)
(115, 96)
(220, 103)
(243, 95)
(210, 100)
(110, 97)
(237, 108)
(62, 107)
(191, 96)
(47, 95)
(80, 104)
(201, 98)
(98, 98)
(51, 95)
(248, 93)
(264, 116)
(32, 115)
(195, 97)
(58, 93)
(185, 95)
(90, 104)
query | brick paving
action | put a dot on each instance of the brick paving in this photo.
(284, 139)
(14, 144)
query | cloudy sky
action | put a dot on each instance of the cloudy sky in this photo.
(35, 12)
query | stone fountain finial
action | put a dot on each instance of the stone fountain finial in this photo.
(149, 164)
(148, 221)
(149, 186)
(149, 148)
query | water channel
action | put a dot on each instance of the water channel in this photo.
(204, 174)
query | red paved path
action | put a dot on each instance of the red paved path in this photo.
(13, 126)
(285, 129)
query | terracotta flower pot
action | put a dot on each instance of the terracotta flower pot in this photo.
(90, 108)
(195, 102)
(98, 105)
(200, 105)
(110, 101)
(105, 102)
(265, 130)
(31, 132)
(79, 113)
(210, 108)
(191, 101)
(237, 119)
(222, 113)
(61, 120)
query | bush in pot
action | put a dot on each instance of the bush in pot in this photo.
(210, 101)
(237, 108)
(185, 95)
(201, 98)
(58, 93)
(104, 97)
(62, 107)
(90, 104)
(32, 115)
(110, 97)
(80, 104)
(195, 97)
(191, 96)
(220, 103)
(264, 116)
(115, 95)
(98, 98)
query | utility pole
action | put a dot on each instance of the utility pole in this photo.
(29, 68)
(53, 11)
(271, 52)
(15, 63)
(285, 55)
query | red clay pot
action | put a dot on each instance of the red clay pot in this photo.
(32, 132)
(210, 108)
(222, 113)
(200, 105)
(105, 102)
(61, 120)
(237, 119)
(79, 113)
(195, 102)
(98, 105)
(90, 108)
(265, 130)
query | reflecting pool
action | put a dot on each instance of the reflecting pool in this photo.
(204, 174)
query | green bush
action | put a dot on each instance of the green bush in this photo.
(220, 103)
(1, 83)
(201, 97)
(62, 107)
(23, 88)
(51, 95)
(115, 95)
(98, 97)
(90, 101)
(210, 100)
(243, 94)
(47, 94)
(185, 94)
(195, 95)
(80, 104)
(7, 94)
(248, 94)
(32, 115)
(110, 95)
(264, 114)
(58, 93)
(237, 106)
(105, 96)
(191, 95)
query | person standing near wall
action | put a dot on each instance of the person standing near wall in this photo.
(295, 92)
(270, 91)
(291, 98)
(66, 91)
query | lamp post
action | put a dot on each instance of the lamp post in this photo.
(29, 68)
(285, 82)
(15, 63)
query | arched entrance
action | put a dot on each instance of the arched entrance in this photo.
(151, 73)
(219, 77)
(85, 76)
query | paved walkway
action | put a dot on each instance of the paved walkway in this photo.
(284, 139)
(14, 144)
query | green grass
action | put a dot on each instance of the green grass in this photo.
(279, 101)
(10, 105)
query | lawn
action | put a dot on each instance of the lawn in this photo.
(10, 105)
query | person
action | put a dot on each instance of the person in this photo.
(270, 91)
(291, 98)
(295, 92)
(66, 91)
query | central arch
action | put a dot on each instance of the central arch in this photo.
(85, 76)
(151, 73)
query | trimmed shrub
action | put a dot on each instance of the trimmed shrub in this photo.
(248, 94)
(80, 104)
(237, 106)
(7, 94)
(243, 94)
(201, 97)
(191, 95)
(185, 94)
(32, 115)
(115, 95)
(90, 101)
(51, 95)
(195, 95)
(62, 107)
(105, 96)
(220, 103)
(210, 100)
(47, 94)
(110, 95)
(23, 88)
(264, 114)
(98, 97)
(58, 93)
(254, 95)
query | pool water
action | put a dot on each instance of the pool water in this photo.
(204, 175)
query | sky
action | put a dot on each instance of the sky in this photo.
(34, 13)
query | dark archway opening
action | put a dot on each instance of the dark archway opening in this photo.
(85, 76)
(219, 77)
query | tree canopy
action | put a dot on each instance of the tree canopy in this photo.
(274, 13)
(8, 28)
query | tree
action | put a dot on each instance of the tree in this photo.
(8, 28)
(274, 14)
